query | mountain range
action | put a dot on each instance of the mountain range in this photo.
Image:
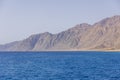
(103, 35)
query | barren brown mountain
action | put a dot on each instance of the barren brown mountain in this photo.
(103, 35)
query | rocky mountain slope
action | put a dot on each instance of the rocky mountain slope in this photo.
(103, 35)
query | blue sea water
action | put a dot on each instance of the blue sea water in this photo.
(60, 65)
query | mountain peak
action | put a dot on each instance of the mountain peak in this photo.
(108, 21)
(80, 27)
(85, 25)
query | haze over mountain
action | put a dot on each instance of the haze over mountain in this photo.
(103, 35)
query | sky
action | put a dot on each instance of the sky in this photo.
(21, 18)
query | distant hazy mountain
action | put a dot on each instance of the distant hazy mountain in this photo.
(103, 35)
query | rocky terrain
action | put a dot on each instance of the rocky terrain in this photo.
(103, 35)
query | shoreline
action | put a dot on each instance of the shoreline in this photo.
(67, 51)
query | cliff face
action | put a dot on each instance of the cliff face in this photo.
(103, 35)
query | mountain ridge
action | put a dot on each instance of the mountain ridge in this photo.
(103, 35)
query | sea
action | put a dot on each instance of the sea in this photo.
(83, 65)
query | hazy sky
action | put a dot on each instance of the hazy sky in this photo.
(21, 18)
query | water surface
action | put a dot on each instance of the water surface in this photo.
(60, 65)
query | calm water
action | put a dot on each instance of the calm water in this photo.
(60, 66)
